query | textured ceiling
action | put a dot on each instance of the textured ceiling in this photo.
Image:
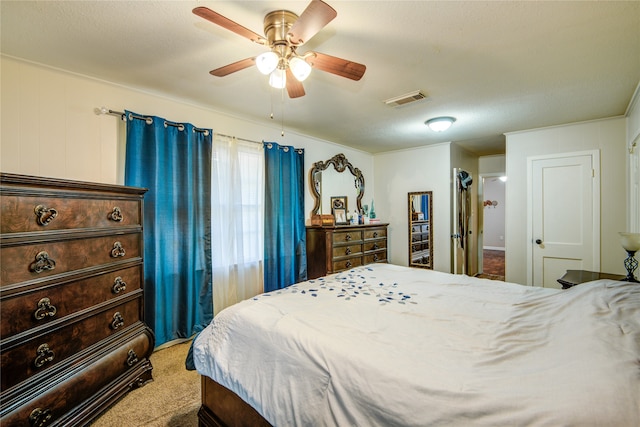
(495, 66)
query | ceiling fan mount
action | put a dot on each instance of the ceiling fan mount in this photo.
(284, 33)
(277, 25)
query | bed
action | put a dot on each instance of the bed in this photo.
(386, 345)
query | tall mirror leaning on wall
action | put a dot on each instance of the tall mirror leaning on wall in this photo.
(420, 209)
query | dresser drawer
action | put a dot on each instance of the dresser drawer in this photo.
(351, 236)
(348, 250)
(40, 213)
(42, 352)
(347, 264)
(375, 245)
(417, 247)
(38, 260)
(375, 233)
(375, 257)
(127, 364)
(420, 228)
(22, 311)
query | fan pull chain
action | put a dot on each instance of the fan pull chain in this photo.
(271, 99)
(271, 116)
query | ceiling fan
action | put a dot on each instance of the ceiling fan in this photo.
(284, 33)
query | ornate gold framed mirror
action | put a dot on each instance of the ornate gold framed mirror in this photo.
(420, 209)
(356, 183)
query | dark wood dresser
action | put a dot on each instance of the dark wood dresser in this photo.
(331, 249)
(72, 340)
(576, 277)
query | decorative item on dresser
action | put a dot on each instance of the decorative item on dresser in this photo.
(333, 249)
(73, 339)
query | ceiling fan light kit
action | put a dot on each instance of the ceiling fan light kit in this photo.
(300, 68)
(278, 78)
(284, 33)
(440, 124)
(267, 62)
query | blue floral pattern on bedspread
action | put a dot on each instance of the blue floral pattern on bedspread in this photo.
(357, 282)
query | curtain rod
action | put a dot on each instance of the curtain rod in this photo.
(239, 139)
(149, 120)
(105, 110)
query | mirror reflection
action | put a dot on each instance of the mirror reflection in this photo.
(420, 209)
(336, 184)
(328, 180)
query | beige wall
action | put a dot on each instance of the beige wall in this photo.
(633, 164)
(607, 136)
(49, 127)
(492, 164)
(398, 173)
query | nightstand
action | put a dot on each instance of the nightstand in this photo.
(576, 277)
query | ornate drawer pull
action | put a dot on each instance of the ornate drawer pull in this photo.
(43, 355)
(375, 246)
(45, 215)
(39, 417)
(347, 237)
(45, 309)
(348, 251)
(117, 250)
(132, 358)
(348, 264)
(118, 321)
(375, 234)
(116, 215)
(119, 285)
(42, 263)
(375, 257)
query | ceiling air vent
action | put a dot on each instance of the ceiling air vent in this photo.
(405, 99)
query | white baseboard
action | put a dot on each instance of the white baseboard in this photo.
(493, 248)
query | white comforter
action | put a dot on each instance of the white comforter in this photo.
(385, 345)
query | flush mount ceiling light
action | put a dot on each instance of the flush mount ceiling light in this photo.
(440, 124)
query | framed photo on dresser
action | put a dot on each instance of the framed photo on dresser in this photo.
(339, 202)
(340, 215)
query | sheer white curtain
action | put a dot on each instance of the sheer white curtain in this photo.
(237, 220)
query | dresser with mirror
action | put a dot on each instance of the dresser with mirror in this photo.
(333, 247)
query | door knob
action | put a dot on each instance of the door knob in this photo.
(538, 241)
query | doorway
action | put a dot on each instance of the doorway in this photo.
(491, 200)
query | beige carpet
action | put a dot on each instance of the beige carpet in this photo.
(171, 399)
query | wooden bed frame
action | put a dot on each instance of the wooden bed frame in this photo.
(223, 408)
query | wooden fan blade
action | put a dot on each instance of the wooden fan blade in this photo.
(294, 87)
(232, 68)
(224, 22)
(313, 19)
(338, 66)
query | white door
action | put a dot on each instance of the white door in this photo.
(565, 216)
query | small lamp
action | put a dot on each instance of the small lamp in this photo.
(631, 243)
